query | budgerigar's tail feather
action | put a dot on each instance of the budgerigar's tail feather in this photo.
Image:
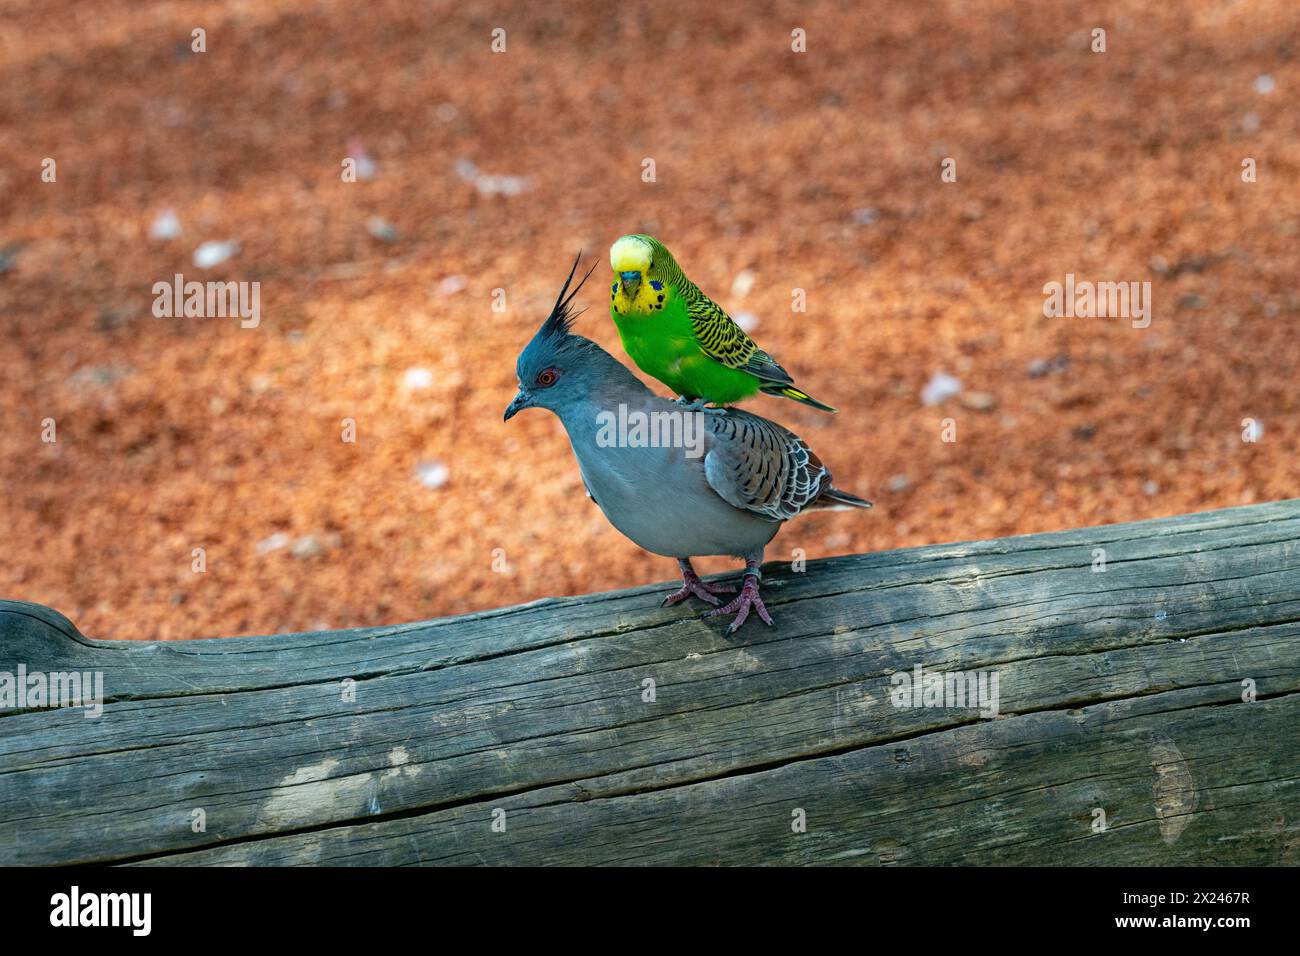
(832, 499)
(789, 391)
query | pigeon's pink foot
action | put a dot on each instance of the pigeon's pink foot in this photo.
(747, 598)
(692, 585)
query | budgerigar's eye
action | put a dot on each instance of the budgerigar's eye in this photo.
(548, 377)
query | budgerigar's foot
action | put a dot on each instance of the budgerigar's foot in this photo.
(693, 585)
(747, 598)
(699, 405)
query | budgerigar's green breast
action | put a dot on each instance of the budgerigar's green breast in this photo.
(659, 337)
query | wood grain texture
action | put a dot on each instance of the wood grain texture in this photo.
(1120, 694)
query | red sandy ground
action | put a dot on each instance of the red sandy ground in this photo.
(176, 434)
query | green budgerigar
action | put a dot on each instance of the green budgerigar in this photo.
(679, 335)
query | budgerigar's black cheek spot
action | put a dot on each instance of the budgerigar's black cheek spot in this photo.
(661, 298)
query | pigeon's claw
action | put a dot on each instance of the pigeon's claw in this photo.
(700, 589)
(693, 585)
(747, 598)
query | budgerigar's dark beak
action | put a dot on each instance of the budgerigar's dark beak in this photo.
(630, 281)
(518, 405)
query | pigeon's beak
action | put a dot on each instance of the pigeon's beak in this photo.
(630, 281)
(518, 405)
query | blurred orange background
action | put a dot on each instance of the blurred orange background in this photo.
(775, 171)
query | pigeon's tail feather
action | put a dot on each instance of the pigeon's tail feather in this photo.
(832, 499)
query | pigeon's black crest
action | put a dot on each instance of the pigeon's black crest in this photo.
(561, 318)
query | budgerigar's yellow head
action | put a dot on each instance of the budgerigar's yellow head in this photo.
(633, 259)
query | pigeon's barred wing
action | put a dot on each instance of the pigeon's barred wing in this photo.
(756, 465)
(721, 339)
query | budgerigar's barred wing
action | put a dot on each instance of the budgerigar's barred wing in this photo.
(756, 465)
(720, 338)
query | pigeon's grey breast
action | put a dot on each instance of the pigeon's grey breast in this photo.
(660, 497)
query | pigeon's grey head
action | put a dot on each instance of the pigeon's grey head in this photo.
(557, 369)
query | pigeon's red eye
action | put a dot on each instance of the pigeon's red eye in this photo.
(548, 377)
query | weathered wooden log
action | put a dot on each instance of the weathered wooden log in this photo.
(1147, 713)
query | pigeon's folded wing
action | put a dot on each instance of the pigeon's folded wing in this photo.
(758, 466)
